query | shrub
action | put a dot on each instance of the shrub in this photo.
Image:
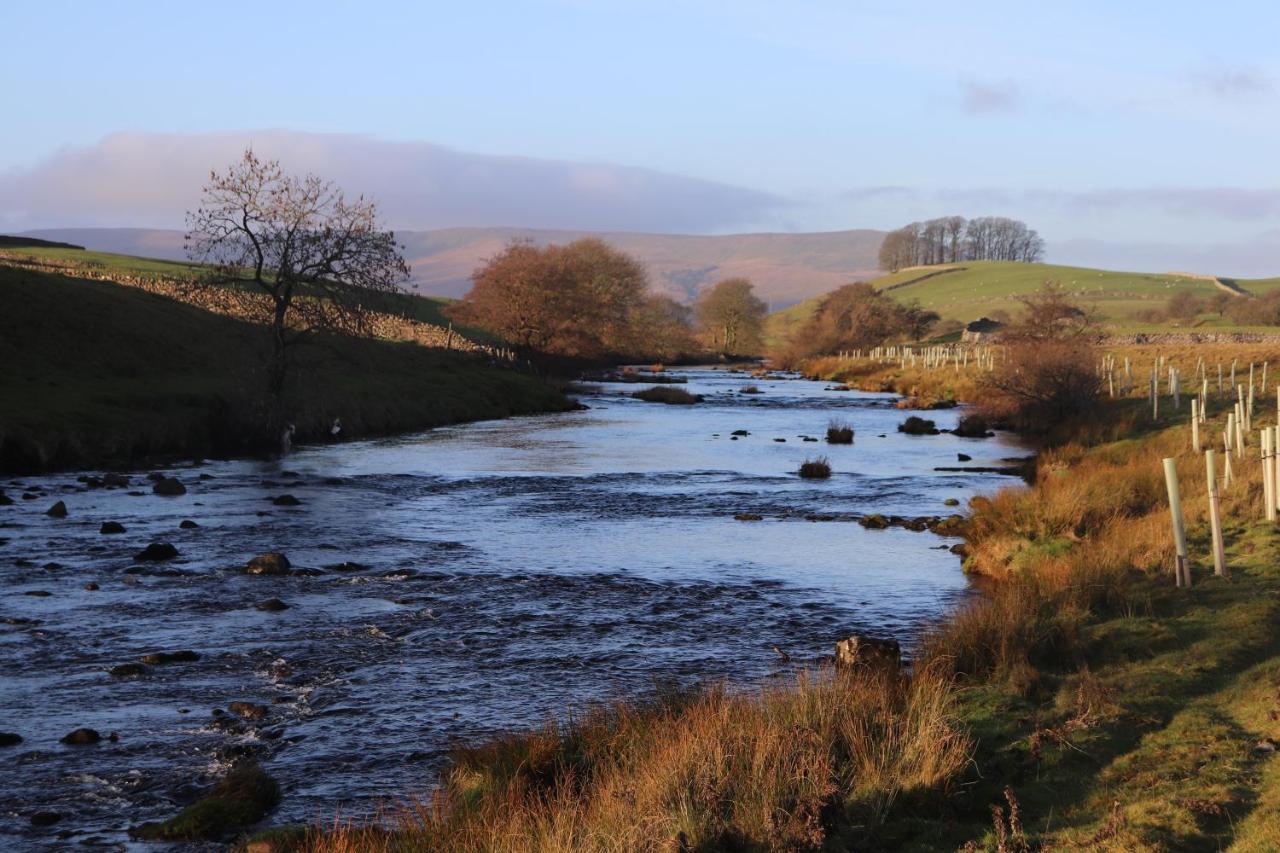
(749, 389)
(1043, 385)
(673, 396)
(816, 469)
(839, 432)
(918, 426)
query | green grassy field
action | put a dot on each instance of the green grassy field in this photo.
(971, 290)
(98, 373)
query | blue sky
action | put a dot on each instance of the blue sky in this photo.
(1151, 124)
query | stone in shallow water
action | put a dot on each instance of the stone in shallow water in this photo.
(271, 563)
(58, 510)
(109, 527)
(169, 487)
(156, 552)
(272, 605)
(81, 737)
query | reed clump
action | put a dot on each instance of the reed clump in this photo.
(839, 431)
(667, 394)
(816, 469)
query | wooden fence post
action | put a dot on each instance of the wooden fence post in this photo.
(1215, 517)
(1181, 572)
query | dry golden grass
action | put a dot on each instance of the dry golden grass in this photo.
(767, 770)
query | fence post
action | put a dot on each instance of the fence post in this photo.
(1181, 572)
(1215, 517)
(1195, 426)
(1268, 477)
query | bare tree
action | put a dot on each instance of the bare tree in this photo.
(951, 239)
(295, 249)
(731, 317)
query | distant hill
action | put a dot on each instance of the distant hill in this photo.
(786, 268)
(970, 290)
(8, 242)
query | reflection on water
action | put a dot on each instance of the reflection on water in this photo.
(504, 571)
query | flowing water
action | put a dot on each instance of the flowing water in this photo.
(496, 573)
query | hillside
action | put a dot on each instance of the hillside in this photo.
(98, 373)
(976, 289)
(786, 268)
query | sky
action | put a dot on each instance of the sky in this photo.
(1135, 135)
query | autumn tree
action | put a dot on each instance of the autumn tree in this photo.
(296, 252)
(731, 318)
(585, 299)
(856, 316)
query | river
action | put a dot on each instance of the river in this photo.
(497, 573)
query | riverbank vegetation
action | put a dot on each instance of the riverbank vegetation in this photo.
(1083, 702)
(98, 373)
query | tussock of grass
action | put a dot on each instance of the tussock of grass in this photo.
(839, 432)
(816, 469)
(667, 394)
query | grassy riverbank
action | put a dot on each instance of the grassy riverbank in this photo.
(1084, 703)
(98, 374)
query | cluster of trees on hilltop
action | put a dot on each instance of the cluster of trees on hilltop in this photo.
(588, 300)
(950, 239)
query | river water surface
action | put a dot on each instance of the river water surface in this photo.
(496, 573)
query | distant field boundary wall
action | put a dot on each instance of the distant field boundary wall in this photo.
(920, 278)
(252, 307)
(1183, 338)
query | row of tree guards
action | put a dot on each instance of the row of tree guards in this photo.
(930, 357)
(1235, 439)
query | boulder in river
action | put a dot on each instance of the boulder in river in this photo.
(248, 710)
(271, 563)
(242, 798)
(286, 500)
(169, 487)
(10, 738)
(871, 652)
(188, 524)
(58, 510)
(45, 818)
(128, 670)
(115, 481)
(109, 527)
(5, 500)
(272, 605)
(156, 552)
(184, 656)
(81, 737)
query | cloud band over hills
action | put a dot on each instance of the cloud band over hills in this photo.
(151, 179)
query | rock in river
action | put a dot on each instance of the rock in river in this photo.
(286, 500)
(127, 670)
(185, 656)
(156, 552)
(188, 524)
(81, 737)
(58, 510)
(272, 605)
(272, 563)
(10, 738)
(109, 527)
(248, 710)
(169, 487)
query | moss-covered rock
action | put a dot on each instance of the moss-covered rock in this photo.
(242, 798)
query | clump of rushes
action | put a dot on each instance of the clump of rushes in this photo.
(816, 469)
(672, 396)
(749, 389)
(918, 426)
(839, 432)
